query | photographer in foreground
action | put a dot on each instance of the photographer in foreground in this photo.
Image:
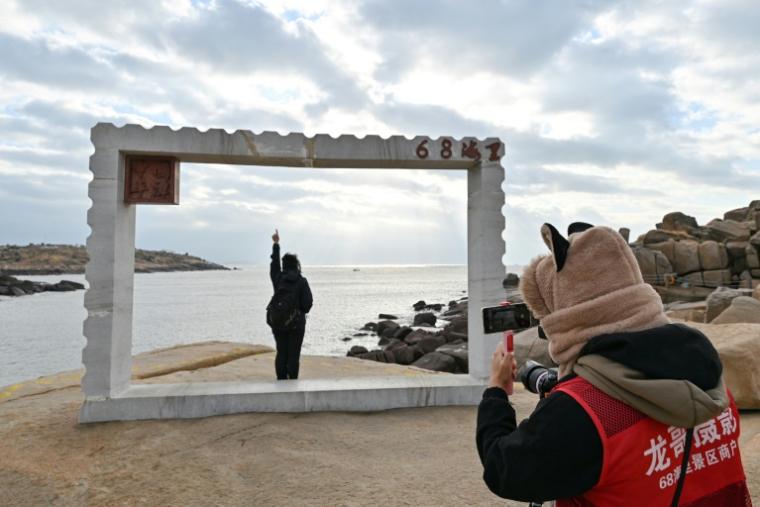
(640, 415)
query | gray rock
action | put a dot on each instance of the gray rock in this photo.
(436, 361)
(386, 324)
(402, 332)
(460, 354)
(718, 301)
(380, 356)
(678, 221)
(738, 214)
(370, 326)
(728, 230)
(15, 291)
(394, 344)
(713, 255)
(419, 305)
(357, 350)
(385, 316)
(406, 354)
(424, 319)
(626, 233)
(743, 309)
(687, 257)
(437, 307)
(511, 280)
(657, 236)
(431, 343)
(415, 337)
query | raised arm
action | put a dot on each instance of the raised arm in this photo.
(274, 267)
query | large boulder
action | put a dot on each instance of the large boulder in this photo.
(386, 324)
(407, 355)
(737, 249)
(431, 343)
(678, 221)
(424, 319)
(736, 344)
(415, 337)
(743, 309)
(737, 215)
(692, 312)
(667, 248)
(381, 356)
(653, 264)
(713, 255)
(357, 350)
(437, 361)
(756, 293)
(457, 325)
(718, 301)
(460, 354)
(658, 236)
(511, 280)
(717, 278)
(753, 259)
(728, 230)
(402, 332)
(687, 257)
(755, 239)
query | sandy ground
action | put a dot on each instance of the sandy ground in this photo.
(420, 457)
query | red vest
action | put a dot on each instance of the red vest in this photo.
(643, 457)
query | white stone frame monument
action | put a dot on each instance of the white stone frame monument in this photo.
(107, 356)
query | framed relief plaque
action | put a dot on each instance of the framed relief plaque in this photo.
(151, 180)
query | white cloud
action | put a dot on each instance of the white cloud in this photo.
(611, 111)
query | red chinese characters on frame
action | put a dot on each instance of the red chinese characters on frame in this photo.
(469, 150)
(151, 180)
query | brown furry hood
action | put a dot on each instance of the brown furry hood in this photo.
(589, 286)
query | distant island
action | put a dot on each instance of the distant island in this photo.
(46, 259)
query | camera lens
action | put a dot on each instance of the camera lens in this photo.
(533, 375)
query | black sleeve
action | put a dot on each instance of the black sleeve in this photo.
(274, 267)
(555, 453)
(305, 297)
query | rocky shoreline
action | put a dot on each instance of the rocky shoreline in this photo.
(12, 286)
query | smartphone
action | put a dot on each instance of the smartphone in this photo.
(513, 317)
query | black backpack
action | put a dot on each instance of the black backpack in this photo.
(283, 311)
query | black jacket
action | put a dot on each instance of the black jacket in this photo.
(557, 452)
(303, 291)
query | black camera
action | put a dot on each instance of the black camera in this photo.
(539, 379)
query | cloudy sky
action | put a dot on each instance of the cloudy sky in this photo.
(613, 112)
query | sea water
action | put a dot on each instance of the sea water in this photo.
(41, 334)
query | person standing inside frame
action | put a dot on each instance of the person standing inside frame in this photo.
(293, 293)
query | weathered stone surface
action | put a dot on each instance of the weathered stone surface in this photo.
(696, 279)
(460, 354)
(753, 259)
(742, 310)
(687, 257)
(737, 249)
(728, 230)
(402, 332)
(718, 301)
(626, 233)
(452, 337)
(394, 344)
(667, 248)
(436, 361)
(755, 239)
(756, 293)
(415, 337)
(653, 265)
(658, 236)
(687, 315)
(381, 356)
(511, 280)
(406, 354)
(738, 214)
(357, 350)
(386, 324)
(713, 255)
(424, 319)
(457, 325)
(431, 343)
(717, 278)
(678, 221)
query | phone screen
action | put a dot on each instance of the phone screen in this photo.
(502, 318)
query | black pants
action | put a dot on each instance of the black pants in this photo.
(287, 361)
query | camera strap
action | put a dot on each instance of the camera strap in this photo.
(684, 466)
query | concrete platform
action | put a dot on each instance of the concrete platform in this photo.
(162, 401)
